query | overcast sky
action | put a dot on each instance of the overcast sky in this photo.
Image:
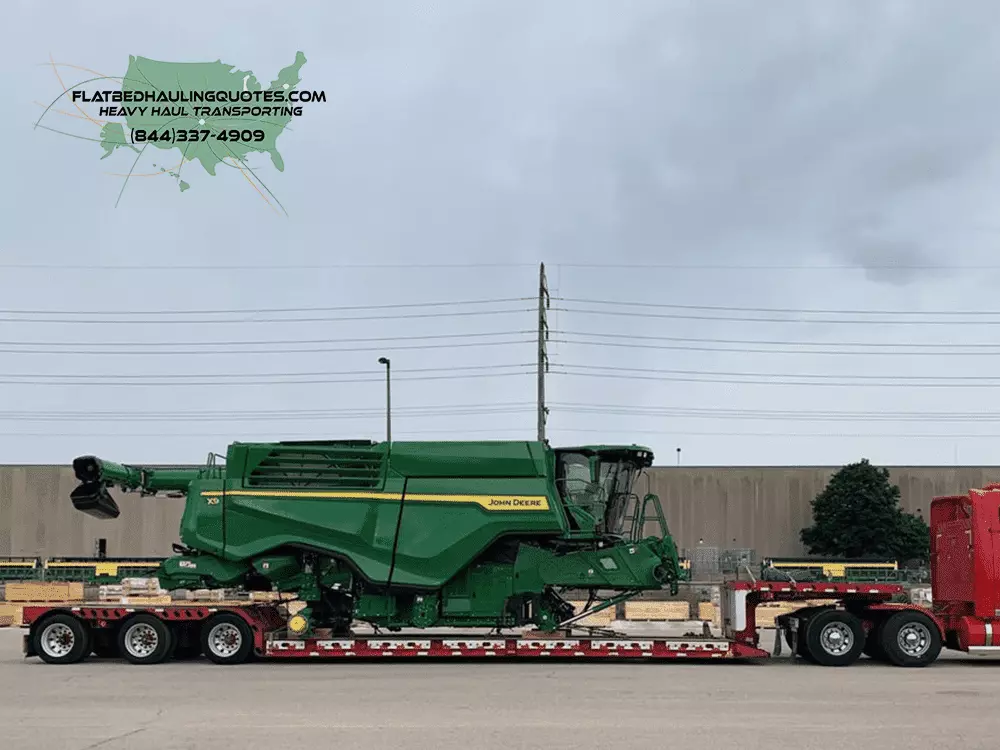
(837, 156)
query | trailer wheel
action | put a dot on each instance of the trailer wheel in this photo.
(910, 639)
(834, 638)
(61, 639)
(145, 639)
(227, 639)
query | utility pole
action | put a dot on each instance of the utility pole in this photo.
(388, 400)
(544, 302)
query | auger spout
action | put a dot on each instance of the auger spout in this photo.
(96, 476)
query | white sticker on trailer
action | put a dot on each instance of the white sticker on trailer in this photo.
(631, 645)
(475, 644)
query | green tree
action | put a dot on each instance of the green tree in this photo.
(858, 515)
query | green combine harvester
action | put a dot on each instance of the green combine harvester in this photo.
(410, 534)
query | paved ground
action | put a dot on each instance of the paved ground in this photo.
(775, 705)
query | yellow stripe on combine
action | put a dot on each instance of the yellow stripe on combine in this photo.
(489, 502)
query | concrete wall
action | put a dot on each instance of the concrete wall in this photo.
(765, 508)
(759, 507)
(37, 518)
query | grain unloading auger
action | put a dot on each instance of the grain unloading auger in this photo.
(410, 534)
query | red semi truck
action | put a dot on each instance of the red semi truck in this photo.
(859, 619)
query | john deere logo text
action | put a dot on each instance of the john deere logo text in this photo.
(514, 502)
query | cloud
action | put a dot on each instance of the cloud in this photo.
(728, 133)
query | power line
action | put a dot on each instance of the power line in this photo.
(203, 321)
(230, 384)
(526, 432)
(770, 342)
(501, 300)
(270, 310)
(775, 414)
(272, 437)
(270, 342)
(818, 376)
(624, 341)
(802, 311)
(432, 408)
(495, 409)
(230, 352)
(741, 319)
(724, 381)
(237, 267)
(779, 266)
(693, 433)
(327, 373)
(746, 350)
(240, 417)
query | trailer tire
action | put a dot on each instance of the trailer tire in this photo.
(834, 638)
(145, 639)
(61, 639)
(910, 639)
(227, 639)
(802, 616)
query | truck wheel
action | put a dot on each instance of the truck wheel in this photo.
(834, 638)
(145, 639)
(61, 639)
(910, 639)
(227, 639)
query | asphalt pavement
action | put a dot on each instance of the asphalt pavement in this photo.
(773, 705)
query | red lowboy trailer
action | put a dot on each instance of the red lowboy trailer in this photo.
(855, 619)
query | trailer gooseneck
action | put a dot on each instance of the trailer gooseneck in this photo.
(415, 538)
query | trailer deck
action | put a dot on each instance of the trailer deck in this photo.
(228, 634)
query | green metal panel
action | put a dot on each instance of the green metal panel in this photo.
(359, 526)
(472, 460)
(202, 520)
(440, 537)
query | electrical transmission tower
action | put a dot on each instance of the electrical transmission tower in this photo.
(544, 302)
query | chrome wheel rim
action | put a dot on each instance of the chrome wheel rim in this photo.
(58, 640)
(225, 639)
(913, 639)
(836, 638)
(141, 640)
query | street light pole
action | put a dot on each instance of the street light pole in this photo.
(388, 400)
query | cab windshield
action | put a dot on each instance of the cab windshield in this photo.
(598, 484)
